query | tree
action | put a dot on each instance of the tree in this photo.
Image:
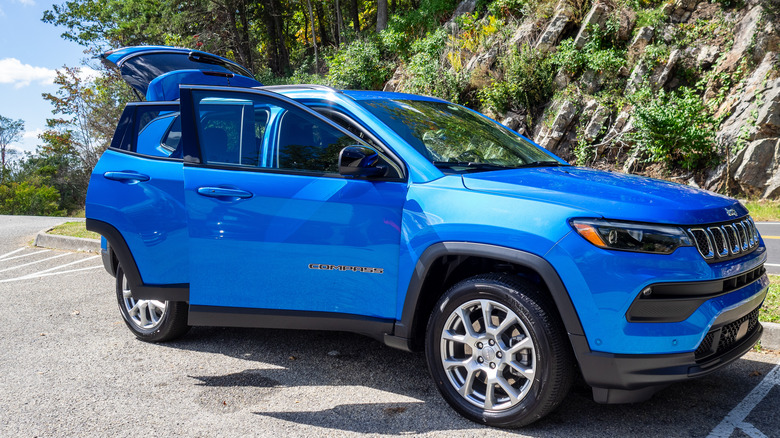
(339, 24)
(10, 132)
(313, 36)
(355, 16)
(381, 15)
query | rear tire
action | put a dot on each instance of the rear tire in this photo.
(513, 370)
(150, 320)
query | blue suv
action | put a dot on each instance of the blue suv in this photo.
(420, 223)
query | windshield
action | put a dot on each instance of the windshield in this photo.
(456, 139)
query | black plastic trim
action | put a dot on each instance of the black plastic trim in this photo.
(628, 377)
(376, 328)
(405, 328)
(118, 245)
(675, 302)
(274, 170)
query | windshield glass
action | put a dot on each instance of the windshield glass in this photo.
(455, 138)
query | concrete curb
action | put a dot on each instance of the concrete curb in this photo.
(45, 240)
(771, 337)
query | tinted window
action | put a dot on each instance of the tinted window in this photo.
(231, 131)
(148, 129)
(173, 136)
(308, 143)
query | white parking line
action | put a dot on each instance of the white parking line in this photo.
(32, 263)
(736, 418)
(45, 272)
(32, 276)
(771, 264)
(9, 253)
(25, 255)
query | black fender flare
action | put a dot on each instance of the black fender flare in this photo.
(141, 290)
(404, 329)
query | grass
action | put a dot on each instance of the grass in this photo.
(770, 311)
(74, 229)
(764, 210)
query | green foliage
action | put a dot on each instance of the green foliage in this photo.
(675, 127)
(29, 198)
(656, 54)
(528, 76)
(432, 44)
(427, 76)
(583, 152)
(770, 311)
(507, 8)
(599, 54)
(360, 65)
(649, 17)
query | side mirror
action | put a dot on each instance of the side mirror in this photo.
(360, 161)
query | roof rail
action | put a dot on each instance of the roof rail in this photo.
(293, 87)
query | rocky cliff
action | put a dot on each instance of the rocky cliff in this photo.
(729, 54)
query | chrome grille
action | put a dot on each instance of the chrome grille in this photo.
(722, 241)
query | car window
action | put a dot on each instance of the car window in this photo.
(173, 136)
(235, 132)
(349, 124)
(231, 131)
(307, 143)
(145, 129)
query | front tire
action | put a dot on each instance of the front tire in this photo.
(150, 320)
(498, 352)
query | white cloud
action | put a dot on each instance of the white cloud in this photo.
(2, 13)
(27, 2)
(12, 71)
(32, 134)
(88, 74)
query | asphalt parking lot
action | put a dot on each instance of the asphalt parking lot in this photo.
(70, 367)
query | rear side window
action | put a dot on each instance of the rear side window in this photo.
(153, 130)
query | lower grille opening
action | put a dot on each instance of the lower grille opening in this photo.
(723, 339)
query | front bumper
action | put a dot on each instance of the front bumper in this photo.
(629, 378)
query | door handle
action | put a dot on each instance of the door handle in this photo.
(223, 192)
(126, 177)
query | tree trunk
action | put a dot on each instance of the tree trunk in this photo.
(393, 4)
(246, 37)
(276, 49)
(339, 24)
(355, 16)
(381, 16)
(313, 38)
(322, 25)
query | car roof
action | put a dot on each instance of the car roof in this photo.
(315, 90)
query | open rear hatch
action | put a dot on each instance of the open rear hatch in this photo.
(157, 71)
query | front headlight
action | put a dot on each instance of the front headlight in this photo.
(628, 236)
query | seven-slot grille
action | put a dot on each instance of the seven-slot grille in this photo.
(726, 240)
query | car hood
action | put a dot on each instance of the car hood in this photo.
(157, 71)
(610, 195)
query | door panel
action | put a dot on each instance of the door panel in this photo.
(143, 198)
(266, 237)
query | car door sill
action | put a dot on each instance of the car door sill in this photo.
(289, 319)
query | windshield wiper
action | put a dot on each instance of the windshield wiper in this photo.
(542, 164)
(470, 164)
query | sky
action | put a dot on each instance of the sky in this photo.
(30, 52)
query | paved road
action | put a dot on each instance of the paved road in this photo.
(70, 367)
(770, 231)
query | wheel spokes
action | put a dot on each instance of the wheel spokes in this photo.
(481, 343)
